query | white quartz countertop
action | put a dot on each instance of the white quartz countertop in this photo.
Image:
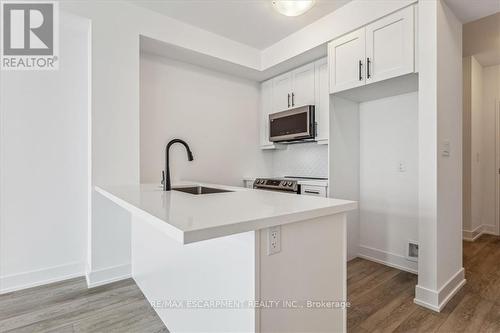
(190, 218)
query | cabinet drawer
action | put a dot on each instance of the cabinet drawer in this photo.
(319, 191)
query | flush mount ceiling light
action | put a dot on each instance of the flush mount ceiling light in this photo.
(292, 7)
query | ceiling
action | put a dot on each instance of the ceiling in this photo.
(251, 22)
(470, 10)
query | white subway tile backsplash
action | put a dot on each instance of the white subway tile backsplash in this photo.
(301, 159)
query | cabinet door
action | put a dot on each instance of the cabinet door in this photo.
(266, 106)
(346, 56)
(390, 46)
(303, 86)
(322, 103)
(282, 92)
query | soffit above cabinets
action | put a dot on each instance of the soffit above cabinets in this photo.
(254, 23)
(159, 48)
(301, 47)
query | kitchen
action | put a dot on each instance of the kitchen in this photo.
(339, 112)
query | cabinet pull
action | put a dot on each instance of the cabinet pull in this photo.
(293, 99)
(368, 68)
(360, 65)
(288, 100)
(311, 192)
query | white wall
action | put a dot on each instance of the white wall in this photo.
(473, 147)
(476, 143)
(116, 27)
(491, 98)
(303, 160)
(440, 272)
(389, 195)
(449, 117)
(481, 39)
(216, 114)
(344, 162)
(45, 160)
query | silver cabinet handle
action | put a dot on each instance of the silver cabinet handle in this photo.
(293, 99)
(360, 65)
(311, 192)
(368, 68)
(288, 100)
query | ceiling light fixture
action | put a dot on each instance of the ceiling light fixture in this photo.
(292, 7)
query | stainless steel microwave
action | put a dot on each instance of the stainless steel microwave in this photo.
(292, 125)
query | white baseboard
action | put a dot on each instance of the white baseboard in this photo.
(472, 235)
(490, 229)
(108, 275)
(388, 259)
(40, 277)
(436, 300)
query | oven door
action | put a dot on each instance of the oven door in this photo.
(290, 125)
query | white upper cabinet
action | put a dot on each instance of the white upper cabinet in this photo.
(306, 85)
(390, 46)
(303, 86)
(266, 107)
(347, 57)
(294, 89)
(282, 92)
(322, 101)
(376, 52)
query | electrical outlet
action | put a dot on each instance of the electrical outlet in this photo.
(273, 240)
(445, 150)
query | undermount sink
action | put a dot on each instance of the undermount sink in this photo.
(200, 190)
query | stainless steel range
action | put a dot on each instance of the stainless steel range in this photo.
(277, 184)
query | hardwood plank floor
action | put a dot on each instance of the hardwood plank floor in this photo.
(381, 298)
(69, 306)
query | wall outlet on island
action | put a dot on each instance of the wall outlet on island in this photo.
(273, 240)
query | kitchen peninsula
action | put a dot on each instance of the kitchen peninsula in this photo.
(214, 258)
